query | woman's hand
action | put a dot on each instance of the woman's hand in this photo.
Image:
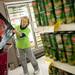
(17, 32)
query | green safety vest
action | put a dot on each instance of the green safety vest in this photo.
(23, 42)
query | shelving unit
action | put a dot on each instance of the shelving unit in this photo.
(64, 66)
(57, 64)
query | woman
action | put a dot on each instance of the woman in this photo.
(23, 44)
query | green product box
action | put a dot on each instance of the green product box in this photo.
(46, 44)
(69, 46)
(48, 8)
(60, 48)
(73, 16)
(48, 14)
(36, 12)
(50, 17)
(45, 40)
(47, 51)
(53, 53)
(57, 4)
(62, 56)
(60, 14)
(69, 56)
(66, 2)
(35, 7)
(59, 41)
(68, 14)
(73, 41)
(67, 42)
(48, 5)
(68, 10)
(74, 10)
(43, 19)
(38, 19)
(41, 5)
(52, 40)
(54, 45)
(73, 52)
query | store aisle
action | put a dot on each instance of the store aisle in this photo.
(42, 64)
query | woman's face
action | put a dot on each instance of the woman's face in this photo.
(24, 22)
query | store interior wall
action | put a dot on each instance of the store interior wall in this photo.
(2, 10)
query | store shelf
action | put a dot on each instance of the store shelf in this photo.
(63, 27)
(64, 66)
(44, 29)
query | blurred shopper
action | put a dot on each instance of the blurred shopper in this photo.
(23, 44)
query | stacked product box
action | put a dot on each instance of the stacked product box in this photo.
(36, 11)
(72, 10)
(49, 12)
(58, 10)
(67, 10)
(68, 47)
(54, 46)
(46, 43)
(60, 47)
(42, 10)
